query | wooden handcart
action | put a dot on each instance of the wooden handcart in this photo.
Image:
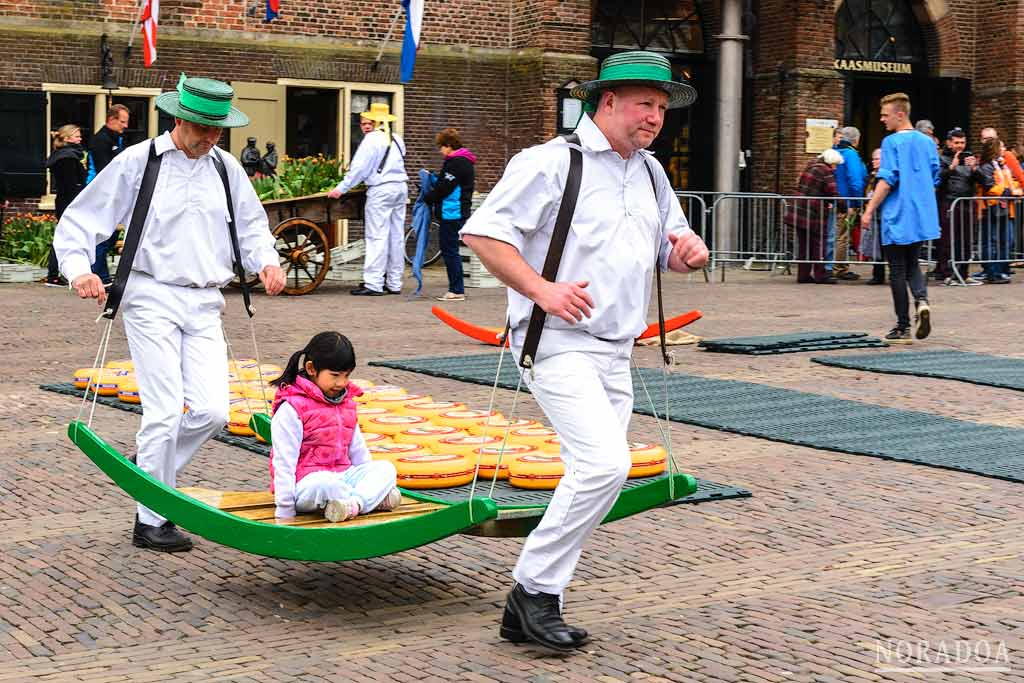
(306, 229)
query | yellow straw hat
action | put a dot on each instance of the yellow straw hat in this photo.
(379, 112)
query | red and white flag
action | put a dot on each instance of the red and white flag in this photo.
(149, 20)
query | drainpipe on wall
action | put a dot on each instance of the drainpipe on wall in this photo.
(730, 118)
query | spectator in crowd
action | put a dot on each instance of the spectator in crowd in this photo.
(956, 173)
(452, 195)
(810, 218)
(928, 128)
(67, 178)
(1011, 162)
(905, 190)
(850, 177)
(870, 238)
(106, 144)
(997, 184)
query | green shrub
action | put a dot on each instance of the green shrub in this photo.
(27, 238)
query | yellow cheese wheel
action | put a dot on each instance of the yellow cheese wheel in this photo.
(380, 391)
(82, 376)
(390, 451)
(392, 424)
(394, 403)
(238, 419)
(428, 435)
(106, 380)
(268, 372)
(536, 471)
(498, 424)
(462, 418)
(648, 459)
(464, 445)
(258, 391)
(240, 363)
(552, 446)
(433, 471)
(429, 409)
(128, 390)
(120, 365)
(533, 436)
(376, 439)
(487, 456)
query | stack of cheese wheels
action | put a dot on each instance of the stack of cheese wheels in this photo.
(240, 412)
(121, 365)
(497, 425)
(465, 445)
(82, 377)
(390, 451)
(363, 384)
(128, 390)
(429, 409)
(648, 459)
(394, 403)
(392, 424)
(463, 418)
(535, 471)
(376, 439)
(379, 391)
(428, 435)
(267, 372)
(488, 457)
(433, 470)
(364, 414)
(106, 380)
(532, 436)
(253, 389)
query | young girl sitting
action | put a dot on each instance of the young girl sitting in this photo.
(319, 459)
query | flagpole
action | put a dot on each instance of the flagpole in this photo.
(380, 52)
(135, 29)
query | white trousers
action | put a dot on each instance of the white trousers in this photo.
(177, 345)
(384, 225)
(369, 482)
(588, 398)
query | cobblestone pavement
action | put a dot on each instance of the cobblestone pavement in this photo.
(834, 556)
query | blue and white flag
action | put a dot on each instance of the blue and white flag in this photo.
(411, 43)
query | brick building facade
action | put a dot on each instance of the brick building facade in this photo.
(497, 71)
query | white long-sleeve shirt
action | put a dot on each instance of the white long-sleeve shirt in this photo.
(185, 240)
(618, 229)
(366, 161)
(286, 435)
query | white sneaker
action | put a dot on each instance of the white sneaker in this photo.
(341, 510)
(390, 502)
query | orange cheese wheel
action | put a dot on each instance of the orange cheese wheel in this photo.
(433, 471)
(120, 365)
(533, 436)
(106, 380)
(392, 424)
(128, 390)
(429, 409)
(464, 445)
(498, 424)
(552, 446)
(428, 435)
(390, 451)
(648, 459)
(462, 418)
(379, 391)
(82, 376)
(535, 471)
(487, 456)
(394, 403)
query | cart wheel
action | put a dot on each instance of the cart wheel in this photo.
(305, 255)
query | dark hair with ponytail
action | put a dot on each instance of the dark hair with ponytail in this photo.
(326, 351)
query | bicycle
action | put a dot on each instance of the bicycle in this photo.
(433, 250)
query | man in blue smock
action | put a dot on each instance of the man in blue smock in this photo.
(850, 178)
(910, 216)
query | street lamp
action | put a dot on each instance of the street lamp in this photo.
(107, 66)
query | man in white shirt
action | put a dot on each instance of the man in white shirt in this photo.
(171, 299)
(627, 221)
(379, 162)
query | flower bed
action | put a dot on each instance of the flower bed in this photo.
(25, 246)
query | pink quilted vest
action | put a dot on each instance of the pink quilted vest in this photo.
(327, 428)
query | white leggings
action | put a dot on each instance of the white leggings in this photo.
(369, 483)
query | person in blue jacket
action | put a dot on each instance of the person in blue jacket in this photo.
(905, 190)
(106, 144)
(452, 195)
(850, 179)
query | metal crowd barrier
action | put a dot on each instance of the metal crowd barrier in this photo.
(984, 231)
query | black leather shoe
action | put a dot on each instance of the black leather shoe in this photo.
(392, 291)
(365, 291)
(540, 620)
(512, 630)
(165, 538)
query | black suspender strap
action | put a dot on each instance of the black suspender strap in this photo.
(232, 230)
(554, 257)
(134, 234)
(657, 275)
(384, 159)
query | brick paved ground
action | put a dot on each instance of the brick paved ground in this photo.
(834, 554)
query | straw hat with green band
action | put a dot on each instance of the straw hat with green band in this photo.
(204, 101)
(637, 68)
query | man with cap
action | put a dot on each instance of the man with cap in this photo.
(379, 162)
(626, 223)
(171, 299)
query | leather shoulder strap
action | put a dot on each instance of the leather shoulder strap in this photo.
(558, 238)
(134, 234)
(236, 252)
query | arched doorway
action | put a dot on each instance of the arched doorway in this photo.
(881, 48)
(672, 28)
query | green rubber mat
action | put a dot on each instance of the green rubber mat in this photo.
(792, 343)
(976, 368)
(504, 494)
(789, 416)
